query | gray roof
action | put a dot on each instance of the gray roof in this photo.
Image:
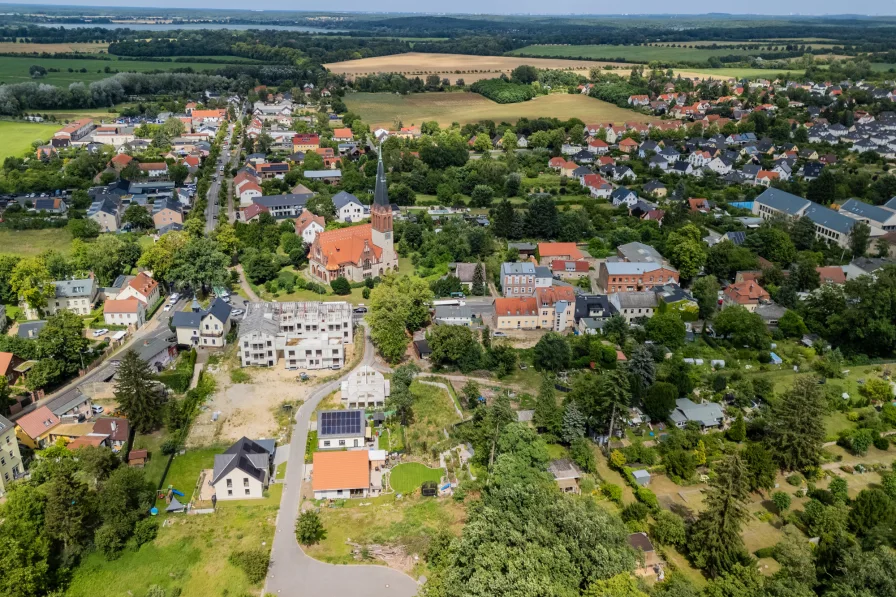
(783, 201)
(543, 271)
(866, 210)
(5, 424)
(288, 200)
(220, 310)
(340, 423)
(453, 312)
(106, 205)
(187, 319)
(516, 269)
(770, 310)
(148, 351)
(322, 174)
(634, 300)
(67, 401)
(708, 414)
(380, 196)
(564, 468)
(343, 198)
(465, 271)
(256, 322)
(192, 319)
(246, 456)
(639, 252)
(75, 288)
(30, 329)
(531, 246)
(827, 217)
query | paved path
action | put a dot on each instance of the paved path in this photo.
(250, 294)
(292, 573)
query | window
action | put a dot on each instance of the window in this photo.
(2, 460)
(245, 481)
(230, 493)
(229, 482)
(247, 491)
(326, 443)
(342, 442)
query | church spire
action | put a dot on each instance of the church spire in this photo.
(380, 197)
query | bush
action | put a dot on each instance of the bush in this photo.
(170, 446)
(612, 492)
(669, 528)
(145, 531)
(765, 552)
(309, 528)
(239, 376)
(254, 562)
(781, 500)
(502, 91)
(648, 498)
(795, 480)
(636, 511)
(881, 443)
(341, 286)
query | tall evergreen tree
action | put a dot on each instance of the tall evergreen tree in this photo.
(738, 430)
(573, 423)
(547, 416)
(642, 370)
(615, 396)
(796, 429)
(478, 288)
(716, 543)
(68, 516)
(140, 398)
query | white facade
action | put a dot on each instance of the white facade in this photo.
(320, 352)
(310, 232)
(237, 485)
(352, 212)
(11, 467)
(365, 388)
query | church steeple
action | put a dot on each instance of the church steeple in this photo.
(381, 210)
(380, 197)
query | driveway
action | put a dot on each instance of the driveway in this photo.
(292, 572)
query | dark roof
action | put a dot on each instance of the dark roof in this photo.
(219, 309)
(737, 237)
(246, 456)
(591, 305)
(783, 201)
(641, 541)
(30, 329)
(187, 319)
(340, 423)
(343, 198)
(118, 434)
(193, 319)
(292, 199)
(380, 196)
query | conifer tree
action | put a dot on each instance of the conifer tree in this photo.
(139, 396)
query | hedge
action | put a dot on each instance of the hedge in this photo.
(177, 380)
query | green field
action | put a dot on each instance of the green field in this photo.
(18, 136)
(384, 109)
(28, 243)
(882, 66)
(630, 53)
(15, 69)
(739, 73)
(408, 477)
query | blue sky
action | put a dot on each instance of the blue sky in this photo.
(755, 7)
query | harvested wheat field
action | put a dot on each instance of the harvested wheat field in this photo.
(8, 47)
(459, 66)
(386, 109)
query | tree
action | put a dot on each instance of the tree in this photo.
(621, 585)
(482, 196)
(524, 74)
(680, 463)
(686, 250)
(715, 539)
(83, 228)
(642, 369)
(838, 488)
(792, 325)
(341, 286)
(551, 353)
(796, 431)
(859, 239)
(876, 390)
(139, 397)
(547, 416)
(309, 528)
(660, 400)
(873, 508)
(782, 500)
(581, 453)
(62, 340)
(322, 205)
(542, 219)
(508, 141)
(772, 243)
(742, 327)
(614, 396)
(669, 528)
(725, 259)
(97, 462)
(31, 283)
(666, 329)
(43, 374)
(472, 393)
(199, 265)
(69, 514)
(706, 292)
(137, 216)
(738, 430)
(478, 287)
(760, 467)
(573, 426)
(159, 257)
(398, 305)
(178, 173)
(454, 345)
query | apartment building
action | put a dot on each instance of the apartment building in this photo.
(518, 279)
(11, 467)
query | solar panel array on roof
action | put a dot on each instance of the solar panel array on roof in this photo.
(341, 422)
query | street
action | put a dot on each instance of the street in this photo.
(230, 159)
(292, 572)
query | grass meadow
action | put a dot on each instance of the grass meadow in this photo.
(18, 136)
(14, 69)
(408, 477)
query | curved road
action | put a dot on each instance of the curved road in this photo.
(292, 572)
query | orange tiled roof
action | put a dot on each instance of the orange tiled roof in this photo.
(831, 274)
(5, 362)
(552, 294)
(559, 250)
(38, 422)
(143, 284)
(306, 219)
(509, 307)
(128, 305)
(343, 132)
(341, 470)
(346, 245)
(746, 292)
(122, 158)
(208, 113)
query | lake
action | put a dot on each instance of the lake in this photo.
(168, 27)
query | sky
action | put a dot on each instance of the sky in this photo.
(755, 7)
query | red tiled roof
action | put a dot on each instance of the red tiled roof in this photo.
(552, 294)
(128, 305)
(559, 250)
(746, 292)
(516, 306)
(120, 431)
(346, 245)
(143, 284)
(38, 422)
(341, 470)
(832, 274)
(253, 210)
(559, 265)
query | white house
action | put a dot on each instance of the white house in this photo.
(129, 311)
(249, 191)
(349, 208)
(341, 429)
(143, 288)
(204, 328)
(320, 351)
(308, 226)
(365, 388)
(243, 471)
(77, 296)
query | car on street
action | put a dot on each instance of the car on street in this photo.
(360, 309)
(100, 332)
(499, 335)
(238, 312)
(168, 307)
(173, 298)
(97, 410)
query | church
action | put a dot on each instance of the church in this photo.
(358, 252)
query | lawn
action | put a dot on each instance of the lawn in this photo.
(191, 554)
(408, 477)
(18, 136)
(409, 523)
(384, 109)
(433, 413)
(28, 243)
(184, 472)
(155, 466)
(630, 53)
(15, 69)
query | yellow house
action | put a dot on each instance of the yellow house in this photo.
(34, 429)
(516, 313)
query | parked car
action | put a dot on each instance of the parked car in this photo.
(499, 335)
(173, 298)
(168, 307)
(97, 410)
(360, 309)
(101, 332)
(237, 312)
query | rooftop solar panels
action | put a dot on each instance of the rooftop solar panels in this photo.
(340, 423)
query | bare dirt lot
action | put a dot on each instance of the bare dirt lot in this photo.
(460, 66)
(249, 409)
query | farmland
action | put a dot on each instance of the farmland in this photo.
(381, 109)
(8, 47)
(18, 136)
(15, 69)
(631, 53)
(454, 66)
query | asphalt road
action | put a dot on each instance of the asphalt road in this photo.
(292, 572)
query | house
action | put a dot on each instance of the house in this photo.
(8, 365)
(128, 312)
(707, 414)
(516, 313)
(243, 471)
(566, 474)
(340, 475)
(623, 276)
(11, 466)
(365, 388)
(50, 205)
(454, 315)
(305, 142)
(166, 212)
(655, 188)
(634, 306)
(76, 130)
(33, 430)
(746, 294)
(106, 212)
(272, 170)
(116, 430)
(628, 145)
(517, 279)
(273, 330)
(569, 269)
(77, 296)
(624, 196)
(556, 307)
(288, 205)
(358, 252)
(879, 216)
(636, 252)
(308, 226)
(154, 169)
(143, 288)
(341, 429)
(342, 135)
(696, 205)
(204, 328)
(549, 252)
(349, 208)
(421, 347)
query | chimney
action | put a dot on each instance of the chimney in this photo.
(114, 426)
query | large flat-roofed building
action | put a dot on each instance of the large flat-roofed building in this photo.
(271, 331)
(623, 276)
